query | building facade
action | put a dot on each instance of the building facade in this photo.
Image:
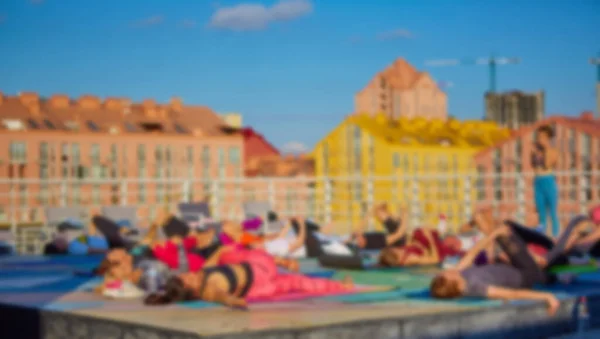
(87, 151)
(515, 109)
(414, 159)
(402, 91)
(577, 140)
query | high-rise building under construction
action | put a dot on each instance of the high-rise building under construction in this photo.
(514, 109)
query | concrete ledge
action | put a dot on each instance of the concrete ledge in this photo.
(526, 321)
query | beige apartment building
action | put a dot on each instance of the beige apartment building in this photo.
(401, 91)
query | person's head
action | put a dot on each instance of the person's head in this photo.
(204, 236)
(447, 285)
(118, 264)
(391, 256)
(544, 135)
(177, 289)
(381, 211)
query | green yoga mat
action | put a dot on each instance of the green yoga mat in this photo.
(575, 269)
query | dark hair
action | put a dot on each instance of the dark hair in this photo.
(547, 130)
(387, 257)
(175, 291)
(102, 268)
(444, 288)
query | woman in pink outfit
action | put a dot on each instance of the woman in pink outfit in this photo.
(243, 274)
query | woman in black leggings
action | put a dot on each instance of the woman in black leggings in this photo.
(508, 281)
(395, 226)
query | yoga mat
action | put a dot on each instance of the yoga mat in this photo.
(301, 296)
(385, 278)
(575, 269)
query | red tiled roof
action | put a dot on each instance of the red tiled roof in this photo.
(585, 123)
(249, 132)
(173, 117)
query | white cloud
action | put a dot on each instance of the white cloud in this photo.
(149, 21)
(294, 147)
(395, 34)
(254, 16)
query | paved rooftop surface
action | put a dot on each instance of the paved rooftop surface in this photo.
(58, 285)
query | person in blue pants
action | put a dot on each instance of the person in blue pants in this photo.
(543, 162)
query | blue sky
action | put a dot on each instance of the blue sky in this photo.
(292, 68)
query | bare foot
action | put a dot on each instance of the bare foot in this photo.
(292, 265)
(348, 283)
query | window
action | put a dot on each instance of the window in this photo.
(396, 160)
(415, 162)
(96, 163)
(44, 175)
(33, 124)
(290, 198)
(205, 161)
(405, 163)
(49, 124)
(130, 127)
(357, 143)
(158, 161)
(124, 161)
(518, 155)
(18, 152)
(114, 161)
(64, 159)
(443, 163)
(221, 161)
(179, 129)
(158, 172)
(371, 152)
(169, 160)
(480, 184)
(76, 161)
(141, 169)
(92, 126)
(190, 160)
(234, 155)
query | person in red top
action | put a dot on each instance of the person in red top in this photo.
(424, 248)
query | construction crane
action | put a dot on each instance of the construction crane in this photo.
(491, 61)
(596, 62)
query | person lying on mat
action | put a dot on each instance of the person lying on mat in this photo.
(242, 274)
(425, 247)
(285, 243)
(590, 243)
(508, 281)
(395, 227)
(72, 239)
(547, 252)
(300, 238)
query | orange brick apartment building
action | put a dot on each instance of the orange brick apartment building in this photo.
(148, 153)
(578, 141)
(402, 91)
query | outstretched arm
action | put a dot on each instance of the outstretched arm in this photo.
(301, 238)
(401, 230)
(588, 241)
(215, 294)
(494, 292)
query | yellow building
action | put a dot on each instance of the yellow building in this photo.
(425, 165)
